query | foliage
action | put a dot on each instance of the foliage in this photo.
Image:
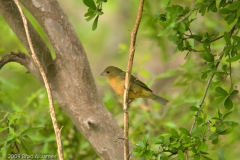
(22, 139)
(94, 10)
(202, 37)
(177, 21)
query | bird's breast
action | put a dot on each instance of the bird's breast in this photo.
(117, 84)
(135, 90)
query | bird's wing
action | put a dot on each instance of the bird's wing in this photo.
(135, 81)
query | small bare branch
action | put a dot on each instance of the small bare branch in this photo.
(14, 57)
(127, 79)
(47, 85)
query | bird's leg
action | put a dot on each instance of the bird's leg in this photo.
(130, 101)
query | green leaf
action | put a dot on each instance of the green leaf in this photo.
(31, 130)
(196, 157)
(235, 5)
(174, 133)
(193, 108)
(203, 147)
(90, 17)
(98, 12)
(226, 131)
(199, 120)
(94, 26)
(231, 123)
(234, 92)
(137, 152)
(140, 144)
(221, 92)
(222, 4)
(197, 37)
(173, 38)
(195, 130)
(26, 146)
(220, 116)
(202, 10)
(184, 131)
(159, 140)
(163, 32)
(236, 38)
(148, 154)
(219, 74)
(220, 128)
(198, 4)
(90, 4)
(181, 155)
(224, 68)
(208, 57)
(215, 141)
(164, 157)
(230, 18)
(10, 137)
(204, 75)
(89, 13)
(225, 115)
(217, 101)
(214, 136)
(238, 13)
(3, 129)
(233, 59)
(207, 158)
(227, 38)
(212, 7)
(228, 104)
(224, 11)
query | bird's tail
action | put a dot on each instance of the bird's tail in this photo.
(159, 99)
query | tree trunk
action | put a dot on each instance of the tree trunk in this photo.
(69, 75)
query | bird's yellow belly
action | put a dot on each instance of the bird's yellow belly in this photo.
(135, 91)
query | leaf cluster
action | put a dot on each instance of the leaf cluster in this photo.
(94, 11)
(31, 132)
(178, 23)
(16, 140)
(175, 143)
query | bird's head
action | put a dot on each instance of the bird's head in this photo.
(111, 72)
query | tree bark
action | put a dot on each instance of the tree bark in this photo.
(69, 75)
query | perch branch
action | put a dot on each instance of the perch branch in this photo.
(127, 80)
(47, 85)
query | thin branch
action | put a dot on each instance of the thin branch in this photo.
(127, 79)
(14, 57)
(230, 70)
(208, 84)
(188, 14)
(47, 85)
(200, 41)
(206, 90)
(230, 73)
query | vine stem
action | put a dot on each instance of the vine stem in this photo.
(127, 79)
(46, 83)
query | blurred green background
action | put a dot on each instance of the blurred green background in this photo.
(156, 63)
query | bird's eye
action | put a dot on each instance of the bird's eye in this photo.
(107, 71)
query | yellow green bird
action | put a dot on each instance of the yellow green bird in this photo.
(137, 88)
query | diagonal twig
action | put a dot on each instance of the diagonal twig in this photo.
(206, 90)
(127, 79)
(47, 85)
(208, 85)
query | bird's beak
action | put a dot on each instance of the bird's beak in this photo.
(102, 74)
